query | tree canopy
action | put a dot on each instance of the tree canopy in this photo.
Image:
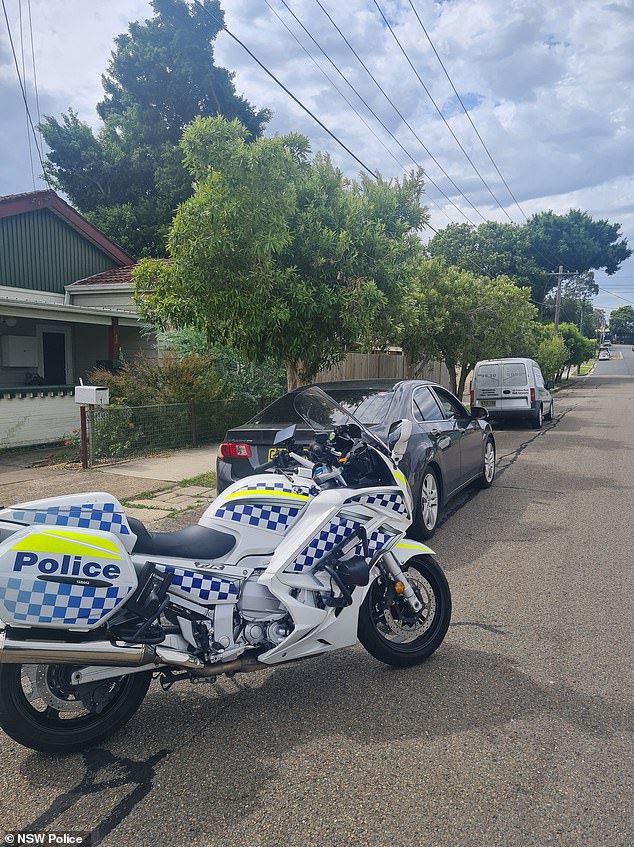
(622, 321)
(281, 256)
(530, 253)
(129, 177)
(463, 318)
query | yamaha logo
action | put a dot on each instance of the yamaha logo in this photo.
(66, 566)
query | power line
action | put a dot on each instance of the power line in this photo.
(618, 296)
(466, 111)
(378, 118)
(444, 119)
(35, 86)
(398, 112)
(28, 133)
(284, 88)
(17, 70)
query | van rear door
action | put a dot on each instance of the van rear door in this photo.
(487, 387)
(516, 392)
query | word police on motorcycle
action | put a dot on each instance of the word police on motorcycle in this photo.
(68, 566)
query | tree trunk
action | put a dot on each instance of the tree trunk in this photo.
(452, 378)
(293, 371)
(465, 370)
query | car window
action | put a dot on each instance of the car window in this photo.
(514, 373)
(369, 405)
(488, 376)
(451, 406)
(539, 379)
(425, 406)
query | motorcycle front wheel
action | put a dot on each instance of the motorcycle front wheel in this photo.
(389, 629)
(42, 710)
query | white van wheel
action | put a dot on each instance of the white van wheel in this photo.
(551, 411)
(538, 419)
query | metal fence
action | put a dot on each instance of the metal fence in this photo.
(126, 432)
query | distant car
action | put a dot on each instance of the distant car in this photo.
(512, 388)
(604, 355)
(449, 447)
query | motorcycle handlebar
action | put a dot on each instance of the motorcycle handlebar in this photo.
(264, 467)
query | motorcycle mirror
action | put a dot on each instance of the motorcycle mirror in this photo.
(284, 435)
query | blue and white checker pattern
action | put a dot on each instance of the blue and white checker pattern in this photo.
(267, 486)
(88, 516)
(60, 603)
(204, 588)
(264, 516)
(376, 541)
(382, 501)
(335, 532)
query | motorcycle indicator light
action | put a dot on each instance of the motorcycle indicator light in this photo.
(399, 587)
(229, 450)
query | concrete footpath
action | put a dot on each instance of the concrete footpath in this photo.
(182, 464)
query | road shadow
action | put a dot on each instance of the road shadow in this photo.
(347, 702)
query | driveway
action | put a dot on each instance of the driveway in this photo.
(518, 732)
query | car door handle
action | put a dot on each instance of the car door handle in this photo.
(435, 433)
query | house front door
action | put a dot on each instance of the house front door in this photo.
(54, 357)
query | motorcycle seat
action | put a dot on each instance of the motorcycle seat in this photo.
(192, 542)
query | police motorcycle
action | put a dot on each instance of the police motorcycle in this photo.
(304, 557)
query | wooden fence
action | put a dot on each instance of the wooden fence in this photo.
(384, 366)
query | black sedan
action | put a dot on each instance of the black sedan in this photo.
(449, 447)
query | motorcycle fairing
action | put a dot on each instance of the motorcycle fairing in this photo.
(57, 577)
(95, 511)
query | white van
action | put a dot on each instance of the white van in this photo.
(512, 388)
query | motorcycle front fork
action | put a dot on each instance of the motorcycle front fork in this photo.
(393, 567)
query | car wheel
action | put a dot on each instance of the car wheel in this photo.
(488, 465)
(551, 411)
(538, 418)
(428, 505)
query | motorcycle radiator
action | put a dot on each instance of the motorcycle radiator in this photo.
(70, 579)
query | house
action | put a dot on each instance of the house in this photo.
(65, 307)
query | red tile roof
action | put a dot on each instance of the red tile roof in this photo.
(114, 276)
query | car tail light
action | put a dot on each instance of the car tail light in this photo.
(472, 397)
(532, 395)
(229, 450)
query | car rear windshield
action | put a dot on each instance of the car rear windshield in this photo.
(369, 405)
(514, 373)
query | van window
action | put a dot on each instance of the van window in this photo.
(539, 379)
(488, 376)
(514, 373)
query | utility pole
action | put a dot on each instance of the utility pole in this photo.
(558, 300)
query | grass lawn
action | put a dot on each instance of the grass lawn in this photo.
(586, 366)
(205, 480)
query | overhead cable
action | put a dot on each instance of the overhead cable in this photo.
(379, 119)
(398, 112)
(444, 119)
(284, 88)
(466, 111)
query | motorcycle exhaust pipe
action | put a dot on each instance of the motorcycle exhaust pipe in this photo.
(17, 651)
(27, 651)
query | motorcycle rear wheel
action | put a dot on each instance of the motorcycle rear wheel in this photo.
(390, 631)
(41, 710)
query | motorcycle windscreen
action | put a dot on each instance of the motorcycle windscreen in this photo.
(323, 414)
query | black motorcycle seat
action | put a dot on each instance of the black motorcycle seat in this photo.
(192, 542)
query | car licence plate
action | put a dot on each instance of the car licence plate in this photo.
(273, 453)
(487, 403)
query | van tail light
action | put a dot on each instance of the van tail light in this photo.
(229, 450)
(532, 395)
(472, 397)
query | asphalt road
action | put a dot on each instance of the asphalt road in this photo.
(519, 731)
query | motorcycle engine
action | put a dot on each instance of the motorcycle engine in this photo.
(262, 613)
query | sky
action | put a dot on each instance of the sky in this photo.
(548, 85)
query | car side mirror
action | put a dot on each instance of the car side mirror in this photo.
(398, 438)
(479, 413)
